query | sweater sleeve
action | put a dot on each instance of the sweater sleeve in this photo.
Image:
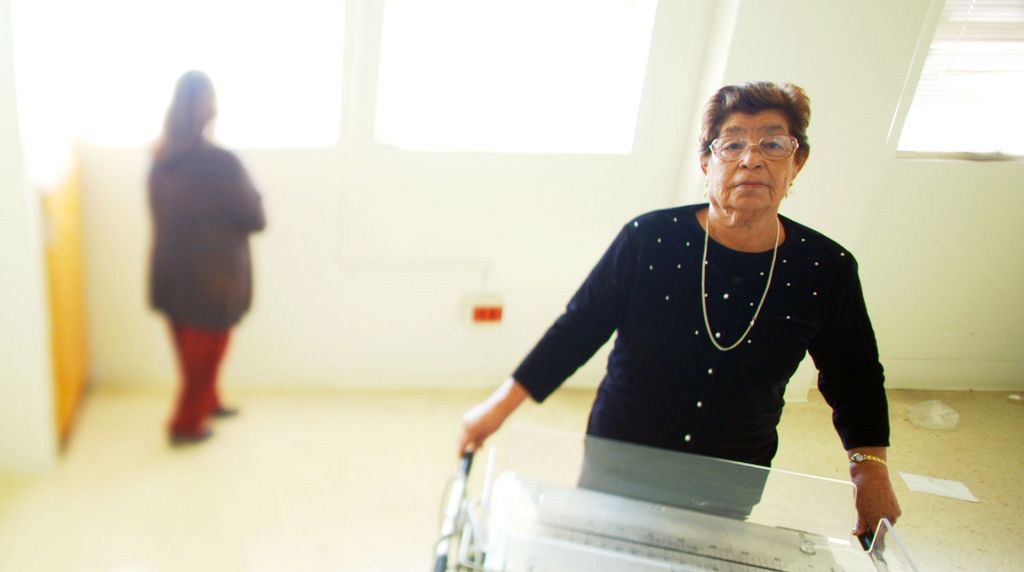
(850, 375)
(207, 185)
(242, 203)
(591, 316)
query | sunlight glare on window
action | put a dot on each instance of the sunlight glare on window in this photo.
(515, 76)
(276, 67)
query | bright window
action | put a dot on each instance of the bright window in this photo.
(276, 66)
(527, 76)
(968, 99)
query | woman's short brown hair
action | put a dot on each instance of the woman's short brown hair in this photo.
(754, 97)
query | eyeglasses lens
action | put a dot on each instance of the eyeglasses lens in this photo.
(774, 147)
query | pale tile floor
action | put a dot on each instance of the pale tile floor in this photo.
(353, 481)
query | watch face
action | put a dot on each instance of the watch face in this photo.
(857, 458)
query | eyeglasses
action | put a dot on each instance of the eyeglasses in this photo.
(774, 147)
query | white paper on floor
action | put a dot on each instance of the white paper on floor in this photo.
(941, 487)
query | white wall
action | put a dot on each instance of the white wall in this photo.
(371, 251)
(945, 273)
(27, 433)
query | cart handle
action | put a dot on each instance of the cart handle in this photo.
(451, 514)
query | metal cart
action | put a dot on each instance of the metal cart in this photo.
(554, 502)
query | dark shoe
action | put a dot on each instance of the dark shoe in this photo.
(182, 439)
(224, 412)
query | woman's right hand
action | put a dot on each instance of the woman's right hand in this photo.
(484, 418)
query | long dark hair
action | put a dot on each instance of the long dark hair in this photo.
(190, 112)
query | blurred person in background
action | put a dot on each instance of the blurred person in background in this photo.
(204, 207)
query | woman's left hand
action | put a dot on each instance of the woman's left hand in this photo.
(875, 497)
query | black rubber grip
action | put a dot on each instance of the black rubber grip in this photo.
(866, 539)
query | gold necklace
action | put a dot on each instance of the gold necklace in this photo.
(703, 286)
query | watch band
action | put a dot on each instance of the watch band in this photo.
(861, 457)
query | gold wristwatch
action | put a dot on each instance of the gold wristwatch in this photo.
(861, 457)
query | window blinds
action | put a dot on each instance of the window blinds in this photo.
(970, 92)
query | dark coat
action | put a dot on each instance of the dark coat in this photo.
(204, 207)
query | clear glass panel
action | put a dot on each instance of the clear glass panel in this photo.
(888, 550)
(554, 502)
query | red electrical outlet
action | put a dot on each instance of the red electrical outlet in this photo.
(482, 308)
(486, 313)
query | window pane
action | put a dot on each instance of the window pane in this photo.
(967, 98)
(531, 76)
(276, 66)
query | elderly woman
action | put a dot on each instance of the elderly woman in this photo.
(715, 305)
(204, 208)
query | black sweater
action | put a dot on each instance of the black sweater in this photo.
(666, 384)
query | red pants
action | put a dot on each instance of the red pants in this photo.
(200, 353)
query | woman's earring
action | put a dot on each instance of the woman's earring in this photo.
(705, 188)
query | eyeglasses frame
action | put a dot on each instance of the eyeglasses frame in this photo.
(796, 145)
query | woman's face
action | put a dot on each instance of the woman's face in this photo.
(753, 182)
